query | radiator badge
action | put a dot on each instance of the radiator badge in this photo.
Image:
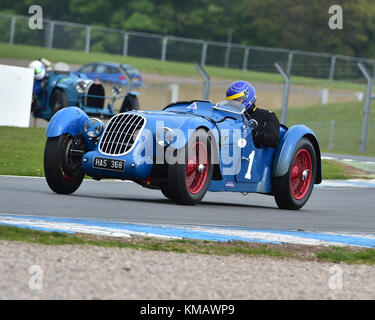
(193, 106)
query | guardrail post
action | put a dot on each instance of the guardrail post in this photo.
(286, 77)
(290, 62)
(245, 58)
(12, 29)
(88, 39)
(366, 112)
(204, 53)
(125, 44)
(332, 68)
(50, 35)
(164, 49)
(330, 141)
(206, 79)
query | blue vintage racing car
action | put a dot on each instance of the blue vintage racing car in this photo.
(61, 88)
(184, 150)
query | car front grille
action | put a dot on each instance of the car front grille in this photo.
(121, 134)
(95, 96)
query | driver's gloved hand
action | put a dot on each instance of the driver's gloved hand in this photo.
(257, 134)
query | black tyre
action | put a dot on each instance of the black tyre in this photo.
(62, 166)
(292, 190)
(59, 100)
(188, 181)
(130, 103)
(166, 193)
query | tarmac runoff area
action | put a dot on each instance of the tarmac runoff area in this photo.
(126, 216)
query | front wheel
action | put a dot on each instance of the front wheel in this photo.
(62, 163)
(292, 190)
(188, 182)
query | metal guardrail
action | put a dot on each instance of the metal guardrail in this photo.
(89, 38)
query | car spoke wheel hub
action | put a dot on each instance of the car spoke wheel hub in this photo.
(197, 167)
(301, 173)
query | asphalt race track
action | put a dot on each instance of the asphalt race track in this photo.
(328, 210)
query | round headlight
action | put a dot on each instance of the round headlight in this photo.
(116, 90)
(164, 136)
(81, 87)
(94, 128)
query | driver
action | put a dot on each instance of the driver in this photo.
(39, 75)
(267, 133)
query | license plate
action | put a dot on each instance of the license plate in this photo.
(109, 164)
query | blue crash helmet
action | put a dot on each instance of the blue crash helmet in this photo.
(243, 92)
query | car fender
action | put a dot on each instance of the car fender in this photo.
(284, 152)
(69, 120)
(190, 126)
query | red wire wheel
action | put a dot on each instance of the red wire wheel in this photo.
(196, 167)
(301, 171)
(293, 189)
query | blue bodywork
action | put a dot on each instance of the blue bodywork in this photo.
(237, 168)
(66, 82)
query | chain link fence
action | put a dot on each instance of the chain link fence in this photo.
(73, 36)
(338, 127)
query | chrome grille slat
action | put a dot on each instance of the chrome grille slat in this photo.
(126, 125)
(130, 138)
(121, 134)
(108, 134)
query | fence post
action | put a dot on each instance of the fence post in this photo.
(206, 79)
(245, 58)
(12, 29)
(229, 47)
(290, 62)
(88, 39)
(50, 35)
(332, 68)
(285, 93)
(173, 88)
(204, 53)
(125, 44)
(366, 112)
(164, 49)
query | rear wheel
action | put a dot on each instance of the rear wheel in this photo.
(130, 103)
(59, 100)
(292, 190)
(62, 163)
(189, 182)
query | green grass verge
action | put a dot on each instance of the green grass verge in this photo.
(332, 171)
(22, 149)
(363, 256)
(348, 117)
(346, 255)
(11, 233)
(157, 66)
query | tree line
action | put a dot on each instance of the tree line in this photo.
(291, 24)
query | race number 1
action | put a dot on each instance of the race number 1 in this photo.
(251, 160)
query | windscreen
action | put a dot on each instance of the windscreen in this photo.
(231, 106)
